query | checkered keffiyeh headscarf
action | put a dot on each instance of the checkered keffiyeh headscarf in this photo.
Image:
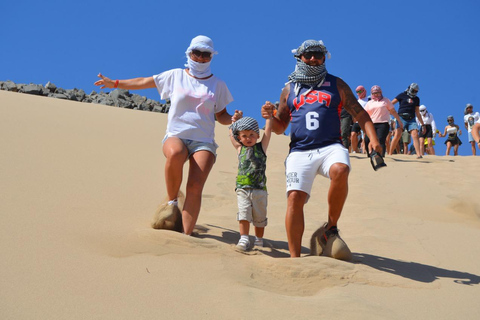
(410, 89)
(245, 123)
(304, 73)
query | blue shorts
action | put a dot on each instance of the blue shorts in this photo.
(408, 125)
(195, 146)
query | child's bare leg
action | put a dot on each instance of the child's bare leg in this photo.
(259, 231)
(244, 227)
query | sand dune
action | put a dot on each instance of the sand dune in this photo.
(80, 183)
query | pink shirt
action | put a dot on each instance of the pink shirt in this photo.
(379, 111)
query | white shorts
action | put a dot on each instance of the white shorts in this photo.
(252, 206)
(301, 167)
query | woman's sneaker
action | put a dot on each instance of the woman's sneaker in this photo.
(243, 245)
(328, 243)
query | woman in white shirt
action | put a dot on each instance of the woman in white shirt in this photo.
(197, 99)
(470, 118)
(430, 130)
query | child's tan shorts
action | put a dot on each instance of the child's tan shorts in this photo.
(252, 206)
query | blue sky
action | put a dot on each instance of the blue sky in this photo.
(386, 43)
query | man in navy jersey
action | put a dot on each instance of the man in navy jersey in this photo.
(312, 101)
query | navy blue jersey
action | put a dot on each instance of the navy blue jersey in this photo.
(315, 118)
(407, 104)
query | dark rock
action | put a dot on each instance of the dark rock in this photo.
(71, 95)
(105, 100)
(138, 99)
(118, 97)
(10, 86)
(58, 96)
(35, 89)
(122, 98)
(81, 95)
(50, 87)
(60, 90)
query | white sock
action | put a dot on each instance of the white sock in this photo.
(244, 236)
(174, 202)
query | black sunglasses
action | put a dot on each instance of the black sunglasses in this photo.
(316, 54)
(202, 54)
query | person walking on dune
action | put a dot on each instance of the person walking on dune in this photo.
(408, 110)
(469, 119)
(453, 131)
(251, 182)
(197, 99)
(311, 102)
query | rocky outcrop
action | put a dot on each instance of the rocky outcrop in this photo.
(118, 97)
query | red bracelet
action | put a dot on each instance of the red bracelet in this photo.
(116, 84)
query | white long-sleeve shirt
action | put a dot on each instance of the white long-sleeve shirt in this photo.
(428, 119)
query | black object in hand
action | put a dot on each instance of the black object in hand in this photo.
(377, 161)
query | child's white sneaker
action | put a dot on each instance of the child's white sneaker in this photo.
(258, 242)
(243, 244)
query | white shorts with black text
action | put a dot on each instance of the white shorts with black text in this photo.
(301, 167)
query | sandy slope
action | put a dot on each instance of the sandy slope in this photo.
(79, 184)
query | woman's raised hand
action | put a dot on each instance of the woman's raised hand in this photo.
(104, 82)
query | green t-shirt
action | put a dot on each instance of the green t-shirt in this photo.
(252, 163)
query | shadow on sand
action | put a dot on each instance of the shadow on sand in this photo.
(413, 270)
(272, 248)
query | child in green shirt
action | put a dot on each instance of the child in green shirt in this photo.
(251, 181)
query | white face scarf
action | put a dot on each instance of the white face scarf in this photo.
(198, 69)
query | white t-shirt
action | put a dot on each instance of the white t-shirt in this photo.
(193, 104)
(476, 118)
(363, 101)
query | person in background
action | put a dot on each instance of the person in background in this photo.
(476, 132)
(379, 108)
(406, 139)
(408, 109)
(469, 119)
(430, 130)
(356, 130)
(198, 98)
(427, 148)
(453, 132)
(390, 133)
